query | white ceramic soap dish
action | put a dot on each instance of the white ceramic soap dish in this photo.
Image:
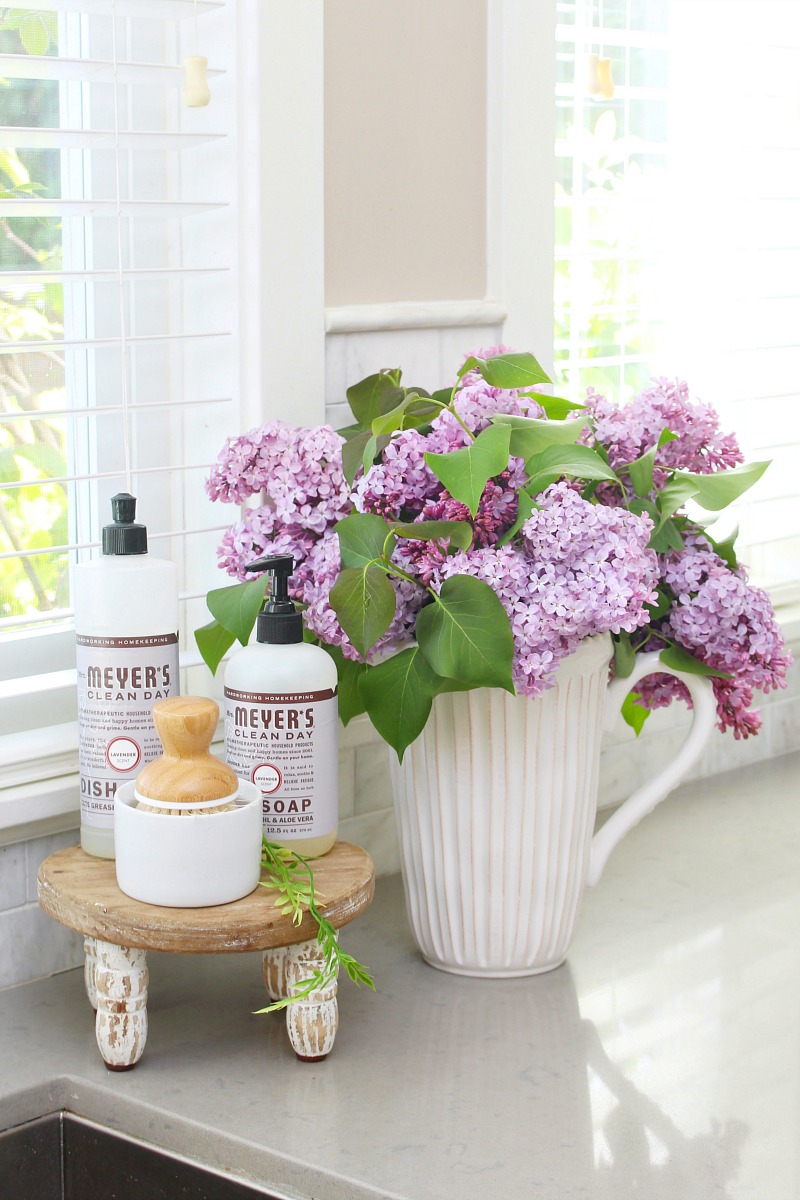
(189, 861)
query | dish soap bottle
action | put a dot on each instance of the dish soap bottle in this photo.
(126, 623)
(281, 722)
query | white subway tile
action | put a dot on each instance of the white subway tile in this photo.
(12, 876)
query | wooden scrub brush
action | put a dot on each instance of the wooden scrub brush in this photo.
(186, 780)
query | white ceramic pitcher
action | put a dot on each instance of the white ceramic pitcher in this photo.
(496, 802)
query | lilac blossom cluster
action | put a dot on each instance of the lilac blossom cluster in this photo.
(579, 569)
(725, 622)
(299, 476)
(401, 484)
(300, 470)
(628, 432)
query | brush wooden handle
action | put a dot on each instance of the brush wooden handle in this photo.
(186, 771)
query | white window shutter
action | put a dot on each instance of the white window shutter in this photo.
(118, 279)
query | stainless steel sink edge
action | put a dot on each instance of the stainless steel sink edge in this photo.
(182, 1139)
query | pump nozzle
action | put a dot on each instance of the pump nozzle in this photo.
(279, 622)
(123, 535)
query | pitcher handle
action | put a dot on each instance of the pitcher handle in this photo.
(644, 800)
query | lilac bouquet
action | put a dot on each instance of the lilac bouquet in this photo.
(474, 536)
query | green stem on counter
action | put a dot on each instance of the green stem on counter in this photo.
(292, 877)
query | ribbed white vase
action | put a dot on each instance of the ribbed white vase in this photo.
(496, 803)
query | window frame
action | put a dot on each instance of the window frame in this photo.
(280, 324)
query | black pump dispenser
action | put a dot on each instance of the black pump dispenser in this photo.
(124, 536)
(279, 623)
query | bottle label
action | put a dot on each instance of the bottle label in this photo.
(287, 745)
(119, 681)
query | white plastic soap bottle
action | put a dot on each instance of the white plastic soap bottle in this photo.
(126, 624)
(281, 722)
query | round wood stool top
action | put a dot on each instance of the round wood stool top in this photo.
(81, 892)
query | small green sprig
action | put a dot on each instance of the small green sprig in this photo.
(292, 877)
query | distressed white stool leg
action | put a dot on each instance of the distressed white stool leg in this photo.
(312, 1022)
(90, 970)
(275, 972)
(121, 1024)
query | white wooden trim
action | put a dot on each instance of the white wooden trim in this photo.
(249, 222)
(282, 214)
(44, 807)
(413, 314)
(521, 137)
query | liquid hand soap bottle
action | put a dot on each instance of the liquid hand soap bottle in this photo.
(281, 722)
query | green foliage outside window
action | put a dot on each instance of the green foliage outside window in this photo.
(33, 515)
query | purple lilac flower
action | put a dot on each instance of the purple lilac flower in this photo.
(299, 469)
(398, 486)
(262, 532)
(497, 512)
(576, 568)
(477, 403)
(581, 569)
(725, 622)
(629, 430)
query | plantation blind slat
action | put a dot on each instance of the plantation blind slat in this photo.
(118, 303)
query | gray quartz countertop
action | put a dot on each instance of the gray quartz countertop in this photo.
(663, 1060)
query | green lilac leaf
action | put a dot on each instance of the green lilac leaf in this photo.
(640, 505)
(213, 641)
(673, 495)
(348, 432)
(451, 685)
(353, 454)
(368, 455)
(398, 693)
(466, 472)
(458, 533)
(350, 673)
(641, 469)
(507, 370)
(712, 492)
(580, 461)
(717, 491)
(466, 634)
(365, 602)
(372, 450)
(237, 607)
(665, 538)
(375, 395)
(725, 548)
(531, 435)
(556, 407)
(634, 714)
(362, 537)
(410, 414)
(681, 660)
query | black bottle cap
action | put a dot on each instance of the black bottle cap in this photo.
(124, 536)
(279, 623)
